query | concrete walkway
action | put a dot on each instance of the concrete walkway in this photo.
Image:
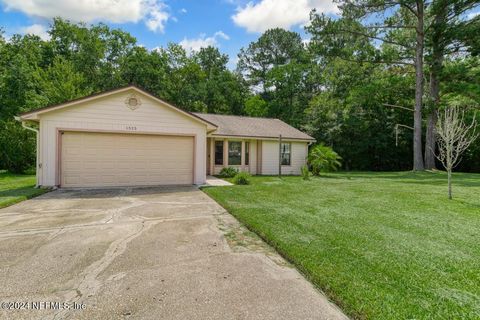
(149, 253)
(216, 182)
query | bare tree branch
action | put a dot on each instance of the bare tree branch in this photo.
(409, 9)
(454, 136)
(389, 27)
(397, 131)
(378, 61)
(376, 38)
(400, 107)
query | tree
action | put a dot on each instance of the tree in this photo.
(448, 35)
(349, 115)
(20, 60)
(224, 90)
(418, 163)
(398, 26)
(96, 50)
(275, 47)
(454, 137)
(460, 85)
(276, 67)
(59, 82)
(354, 80)
(17, 147)
(255, 106)
(148, 70)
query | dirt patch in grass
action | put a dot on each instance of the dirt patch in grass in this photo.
(240, 239)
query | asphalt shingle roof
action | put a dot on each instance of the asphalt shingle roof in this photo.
(252, 127)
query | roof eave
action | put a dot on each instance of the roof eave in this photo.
(285, 138)
(29, 117)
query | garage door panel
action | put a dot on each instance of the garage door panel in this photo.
(72, 152)
(71, 179)
(72, 165)
(108, 159)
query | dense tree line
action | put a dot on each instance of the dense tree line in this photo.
(349, 87)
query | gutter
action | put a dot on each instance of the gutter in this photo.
(269, 138)
(37, 160)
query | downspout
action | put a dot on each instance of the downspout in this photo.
(37, 159)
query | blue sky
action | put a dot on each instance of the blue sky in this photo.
(227, 24)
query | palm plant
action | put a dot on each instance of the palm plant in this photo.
(323, 159)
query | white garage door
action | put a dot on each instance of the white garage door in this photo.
(111, 159)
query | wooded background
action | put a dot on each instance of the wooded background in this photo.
(348, 85)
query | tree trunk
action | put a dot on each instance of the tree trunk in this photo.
(417, 122)
(430, 140)
(449, 184)
(438, 45)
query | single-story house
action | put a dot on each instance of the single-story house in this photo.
(128, 137)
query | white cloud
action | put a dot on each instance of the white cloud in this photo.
(221, 34)
(183, 10)
(36, 29)
(236, 2)
(157, 15)
(203, 41)
(267, 14)
(153, 12)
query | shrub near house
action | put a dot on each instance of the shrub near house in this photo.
(323, 159)
(228, 172)
(242, 178)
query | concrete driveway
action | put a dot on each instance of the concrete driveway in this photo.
(143, 253)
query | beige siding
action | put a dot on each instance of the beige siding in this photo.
(112, 159)
(110, 114)
(270, 158)
(253, 157)
(258, 161)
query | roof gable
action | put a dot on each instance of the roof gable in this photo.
(34, 114)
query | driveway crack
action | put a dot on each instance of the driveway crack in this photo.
(89, 284)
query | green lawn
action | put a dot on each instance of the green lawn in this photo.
(381, 245)
(16, 187)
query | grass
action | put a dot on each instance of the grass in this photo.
(17, 187)
(381, 245)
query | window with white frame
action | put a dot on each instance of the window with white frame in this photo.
(219, 152)
(286, 153)
(234, 153)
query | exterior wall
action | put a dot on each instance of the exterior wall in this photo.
(109, 114)
(263, 157)
(259, 157)
(270, 158)
(253, 157)
(208, 154)
(251, 168)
